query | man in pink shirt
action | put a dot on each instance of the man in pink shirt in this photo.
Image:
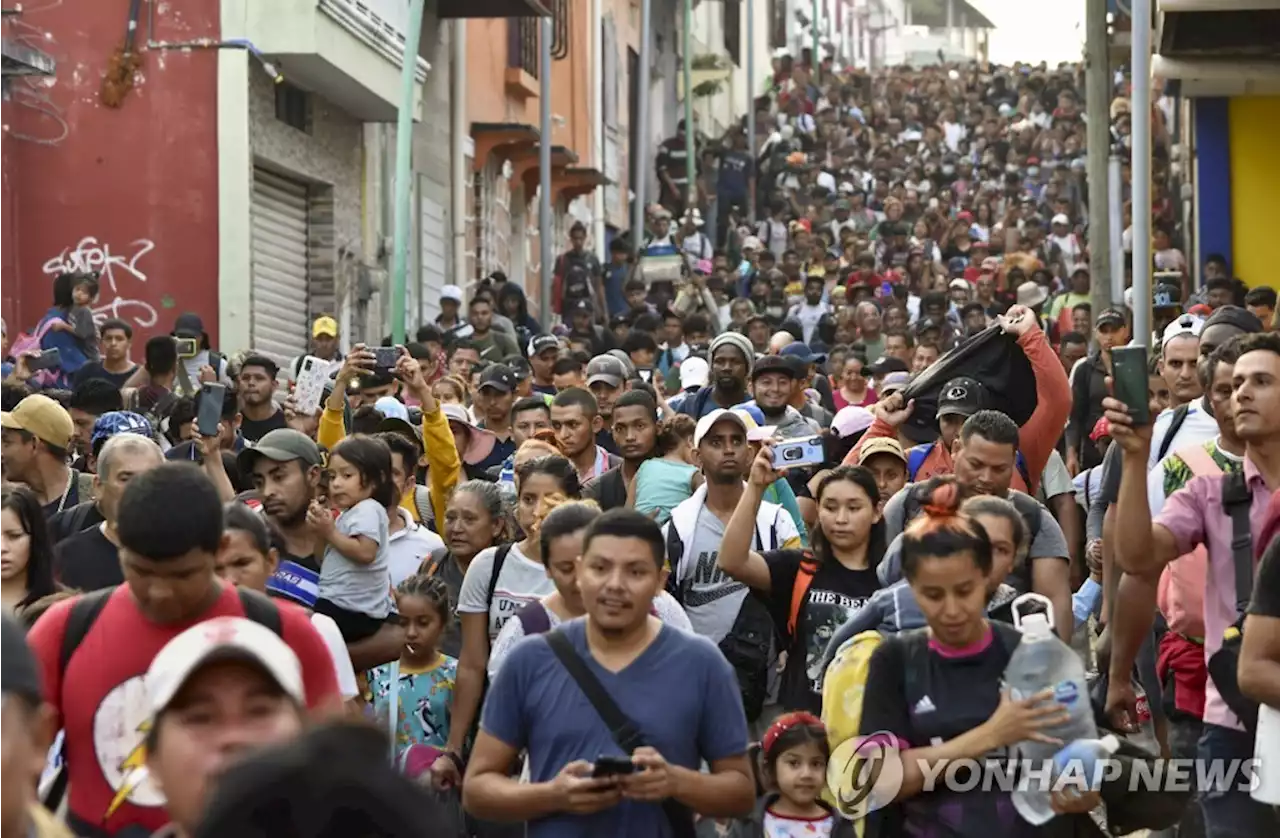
(1195, 516)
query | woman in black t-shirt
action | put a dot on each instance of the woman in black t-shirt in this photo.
(935, 695)
(810, 594)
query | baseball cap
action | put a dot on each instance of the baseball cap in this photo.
(606, 369)
(221, 639)
(752, 243)
(18, 672)
(851, 419)
(581, 304)
(960, 283)
(451, 292)
(43, 418)
(801, 351)
(775, 363)
(694, 372)
(282, 445)
(881, 445)
(542, 343)
(894, 382)
(1163, 295)
(1111, 317)
(961, 396)
(188, 325)
(1060, 218)
(324, 325)
(115, 422)
(741, 418)
(498, 377)
(1242, 319)
(886, 364)
(1186, 324)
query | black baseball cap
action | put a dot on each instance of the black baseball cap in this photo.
(1111, 317)
(18, 672)
(773, 363)
(542, 343)
(581, 304)
(961, 396)
(188, 325)
(886, 364)
(519, 367)
(498, 377)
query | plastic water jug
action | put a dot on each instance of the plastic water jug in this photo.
(1043, 662)
(1077, 766)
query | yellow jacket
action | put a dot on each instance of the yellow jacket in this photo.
(443, 463)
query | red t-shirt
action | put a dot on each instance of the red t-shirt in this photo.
(103, 707)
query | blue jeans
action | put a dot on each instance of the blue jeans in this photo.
(1230, 812)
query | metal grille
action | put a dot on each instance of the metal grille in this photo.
(280, 248)
(522, 44)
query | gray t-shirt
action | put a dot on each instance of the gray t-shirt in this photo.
(522, 580)
(1049, 542)
(362, 588)
(710, 598)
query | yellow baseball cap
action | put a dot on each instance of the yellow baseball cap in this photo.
(324, 325)
(43, 418)
(881, 445)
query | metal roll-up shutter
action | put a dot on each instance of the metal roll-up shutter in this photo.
(432, 242)
(278, 304)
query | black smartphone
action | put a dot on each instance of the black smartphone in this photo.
(1130, 374)
(209, 413)
(385, 357)
(46, 360)
(611, 766)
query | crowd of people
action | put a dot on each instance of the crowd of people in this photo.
(614, 572)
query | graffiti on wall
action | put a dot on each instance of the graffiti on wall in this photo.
(113, 268)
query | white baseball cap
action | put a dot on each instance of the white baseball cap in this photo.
(1061, 218)
(694, 372)
(753, 430)
(451, 292)
(1186, 324)
(221, 639)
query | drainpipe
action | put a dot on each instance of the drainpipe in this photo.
(640, 154)
(751, 109)
(458, 151)
(597, 126)
(404, 169)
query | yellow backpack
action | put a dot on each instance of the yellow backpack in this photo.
(842, 690)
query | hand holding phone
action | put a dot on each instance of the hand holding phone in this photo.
(47, 359)
(384, 357)
(611, 766)
(209, 413)
(794, 453)
(1129, 373)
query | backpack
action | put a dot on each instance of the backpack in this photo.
(800, 590)
(438, 556)
(917, 454)
(158, 413)
(85, 611)
(843, 685)
(748, 645)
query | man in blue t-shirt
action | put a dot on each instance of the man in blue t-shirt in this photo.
(678, 691)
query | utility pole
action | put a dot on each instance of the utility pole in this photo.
(751, 109)
(640, 154)
(1098, 109)
(1140, 64)
(544, 171)
(816, 36)
(690, 140)
(404, 170)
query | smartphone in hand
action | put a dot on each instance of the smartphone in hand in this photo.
(209, 413)
(48, 359)
(1129, 375)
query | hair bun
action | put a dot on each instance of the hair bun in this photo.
(943, 500)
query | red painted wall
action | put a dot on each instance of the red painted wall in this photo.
(129, 191)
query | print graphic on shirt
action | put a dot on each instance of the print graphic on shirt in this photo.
(825, 612)
(708, 582)
(507, 604)
(120, 726)
(924, 705)
(423, 717)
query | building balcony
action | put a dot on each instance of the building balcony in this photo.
(348, 51)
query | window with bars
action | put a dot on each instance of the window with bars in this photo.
(522, 44)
